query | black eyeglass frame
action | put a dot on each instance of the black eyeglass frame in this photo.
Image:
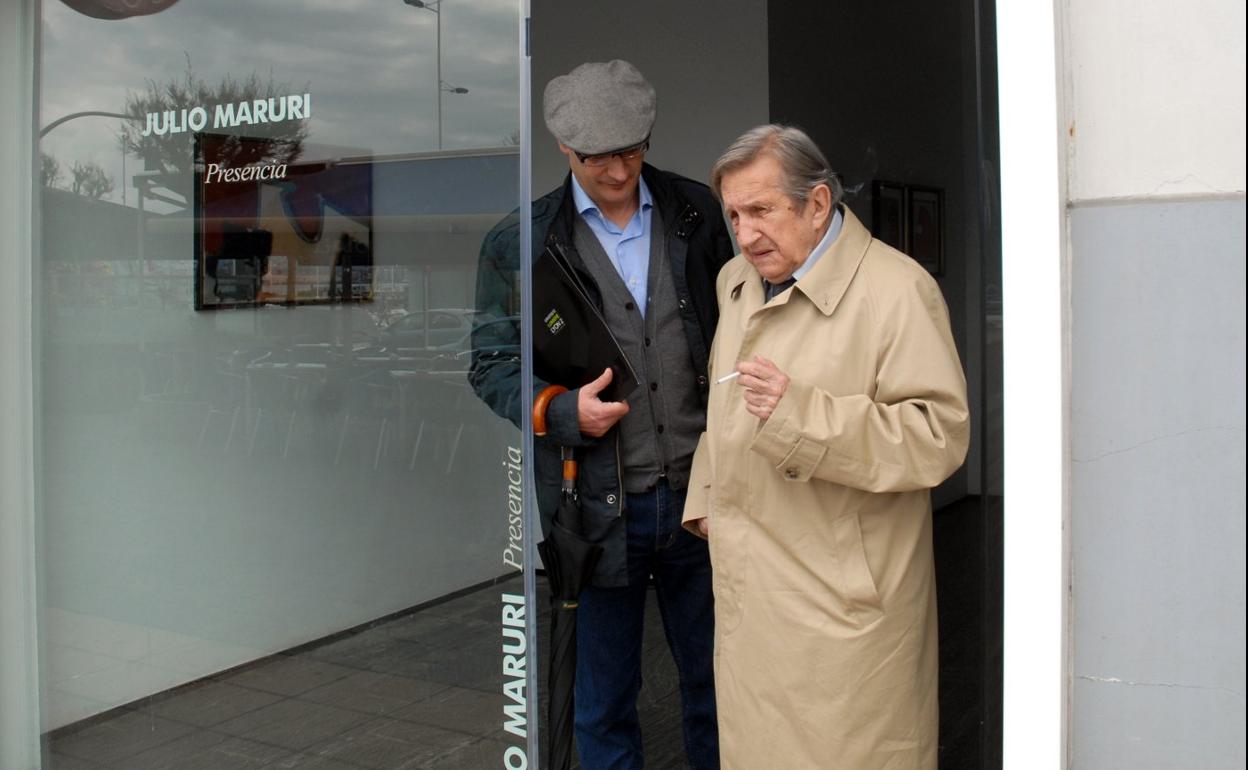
(603, 158)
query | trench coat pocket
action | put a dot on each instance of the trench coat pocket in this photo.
(862, 601)
(698, 498)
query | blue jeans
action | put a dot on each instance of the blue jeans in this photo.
(609, 636)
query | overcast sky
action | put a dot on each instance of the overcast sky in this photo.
(369, 65)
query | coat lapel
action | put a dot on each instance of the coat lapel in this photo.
(827, 281)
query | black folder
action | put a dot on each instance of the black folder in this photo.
(571, 341)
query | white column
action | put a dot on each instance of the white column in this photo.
(19, 680)
(1035, 378)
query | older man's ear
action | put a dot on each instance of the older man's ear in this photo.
(821, 198)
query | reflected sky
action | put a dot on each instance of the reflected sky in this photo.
(369, 64)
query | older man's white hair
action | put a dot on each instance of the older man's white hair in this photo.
(801, 160)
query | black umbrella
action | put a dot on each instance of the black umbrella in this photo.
(570, 560)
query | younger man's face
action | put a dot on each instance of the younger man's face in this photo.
(610, 185)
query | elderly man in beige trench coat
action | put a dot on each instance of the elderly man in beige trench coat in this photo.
(812, 479)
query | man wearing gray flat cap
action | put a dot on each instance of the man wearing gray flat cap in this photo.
(648, 245)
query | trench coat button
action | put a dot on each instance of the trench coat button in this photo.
(611, 499)
(790, 473)
(701, 381)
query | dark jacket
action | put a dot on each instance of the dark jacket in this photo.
(698, 246)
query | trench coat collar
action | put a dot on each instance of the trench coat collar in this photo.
(832, 273)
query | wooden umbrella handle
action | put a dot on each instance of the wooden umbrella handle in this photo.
(540, 405)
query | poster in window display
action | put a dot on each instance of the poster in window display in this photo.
(272, 229)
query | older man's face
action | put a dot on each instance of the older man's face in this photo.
(612, 185)
(776, 233)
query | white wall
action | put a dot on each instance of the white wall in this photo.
(1154, 133)
(1156, 95)
(1157, 485)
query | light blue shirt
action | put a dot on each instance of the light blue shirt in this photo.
(828, 239)
(628, 247)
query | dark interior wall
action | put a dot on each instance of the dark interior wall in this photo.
(888, 90)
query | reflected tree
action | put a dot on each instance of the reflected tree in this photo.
(49, 170)
(89, 180)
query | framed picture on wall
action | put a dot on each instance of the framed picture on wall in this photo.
(888, 213)
(925, 237)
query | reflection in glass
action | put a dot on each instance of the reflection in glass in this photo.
(277, 531)
(271, 230)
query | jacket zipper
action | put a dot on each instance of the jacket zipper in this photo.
(619, 479)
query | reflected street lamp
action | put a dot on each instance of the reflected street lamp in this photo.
(435, 7)
(102, 114)
(85, 113)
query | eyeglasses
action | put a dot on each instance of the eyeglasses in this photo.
(626, 154)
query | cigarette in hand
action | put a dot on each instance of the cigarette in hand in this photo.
(727, 377)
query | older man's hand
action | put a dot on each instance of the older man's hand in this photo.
(700, 527)
(763, 385)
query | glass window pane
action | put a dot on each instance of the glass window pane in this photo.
(279, 524)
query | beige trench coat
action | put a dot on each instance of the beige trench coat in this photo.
(820, 518)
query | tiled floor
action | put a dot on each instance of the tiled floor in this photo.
(419, 691)
(425, 691)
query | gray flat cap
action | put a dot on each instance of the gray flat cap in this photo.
(599, 107)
